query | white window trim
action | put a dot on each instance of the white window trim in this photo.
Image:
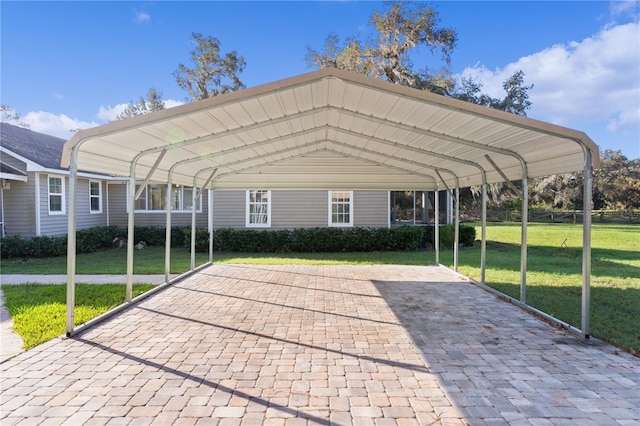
(164, 210)
(49, 194)
(330, 210)
(246, 216)
(99, 196)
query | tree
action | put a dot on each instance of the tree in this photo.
(212, 73)
(616, 185)
(401, 30)
(153, 102)
(9, 114)
(516, 100)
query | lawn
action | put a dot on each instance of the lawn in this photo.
(114, 261)
(39, 311)
(553, 277)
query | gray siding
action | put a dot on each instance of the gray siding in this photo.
(57, 224)
(117, 203)
(14, 162)
(19, 208)
(300, 209)
(371, 209)
(229, 209)
(118, 212)
(53, 224)
(84, 217)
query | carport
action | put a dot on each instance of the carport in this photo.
(329, 130)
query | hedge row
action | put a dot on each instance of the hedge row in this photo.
(87, 241)
(306, 240)
(244, 240)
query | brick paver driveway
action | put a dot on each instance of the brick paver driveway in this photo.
(371, 345)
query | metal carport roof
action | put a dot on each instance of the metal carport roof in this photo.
(332, 129)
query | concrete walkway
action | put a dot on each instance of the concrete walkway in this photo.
(10, 342)
(342, 345)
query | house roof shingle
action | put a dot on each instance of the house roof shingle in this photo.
(45, 150)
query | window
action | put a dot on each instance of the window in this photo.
(153, 198)
(56, 194)
(410, 207)
(258, 209)
(340, 208)
(95, 197)
(416, 207)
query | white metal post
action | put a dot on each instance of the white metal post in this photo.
(71, 241)
(456, 237)
(523, 242)
(436, 227)
(586, 244)
(194, 195)
(210, 215)
(167, 237)
(130, 232)
(483, 238)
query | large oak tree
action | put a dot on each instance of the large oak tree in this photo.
(212, 73)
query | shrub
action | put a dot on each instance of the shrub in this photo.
(315, 240)
(12, 246)
(245, 240)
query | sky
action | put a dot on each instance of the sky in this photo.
(68, 65)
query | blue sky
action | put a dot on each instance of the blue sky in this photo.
(69, 65)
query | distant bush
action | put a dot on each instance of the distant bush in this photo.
(87, 241)
(299, 240)
(311, 240)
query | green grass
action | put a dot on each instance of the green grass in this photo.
(114, 261)
(39, 311)
(553, 277)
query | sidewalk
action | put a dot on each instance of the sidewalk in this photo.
(10, 342)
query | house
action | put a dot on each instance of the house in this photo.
(34, 194)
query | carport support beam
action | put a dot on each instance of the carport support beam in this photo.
(523, 244)
(71, 242)
(167, 230)
(194, 197)
(456, 234)
(586, 244)
(130, 232)
(483, 238)
(210, 214)
(436, 231)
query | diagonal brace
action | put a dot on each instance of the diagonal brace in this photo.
(506, 179)
(153, 169)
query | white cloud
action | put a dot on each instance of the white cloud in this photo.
(63, 126)
(624, 8)
(143, 17)
(596, 79)
(170, 103)
(59, 125)
(110, 113)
